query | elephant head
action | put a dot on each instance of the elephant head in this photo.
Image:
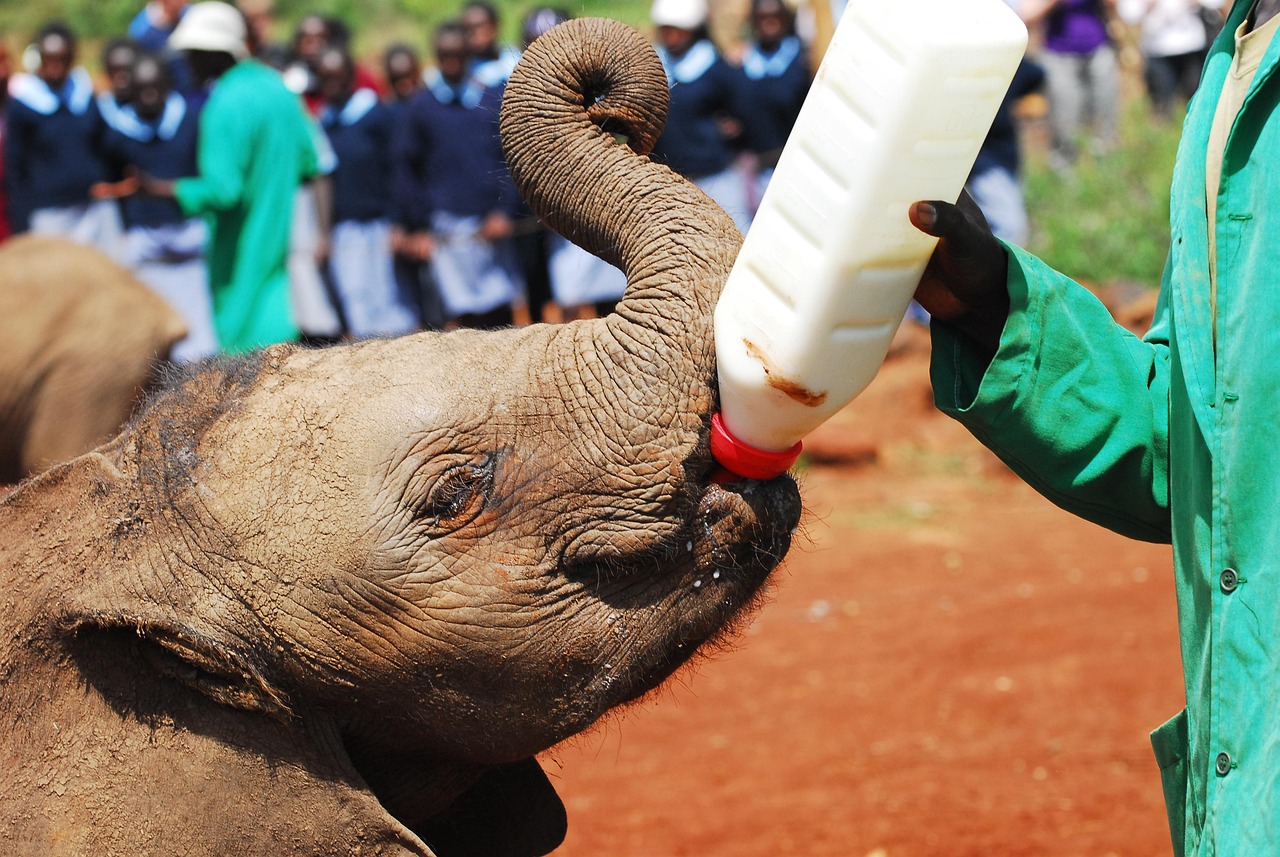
(355, 591)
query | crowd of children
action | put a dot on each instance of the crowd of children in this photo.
(398, 213)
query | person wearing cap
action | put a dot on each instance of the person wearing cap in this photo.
(256, 146)
(57, 176)
(701, 115)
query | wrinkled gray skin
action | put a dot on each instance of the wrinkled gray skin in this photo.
(333, 602)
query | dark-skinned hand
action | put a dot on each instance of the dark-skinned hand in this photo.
(152, 186)
(963, 286)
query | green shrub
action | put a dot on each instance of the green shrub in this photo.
(1108, 220)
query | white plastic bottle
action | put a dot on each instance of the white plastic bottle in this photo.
(897, 113)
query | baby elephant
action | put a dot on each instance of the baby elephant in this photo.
(82, 340)
(335, 602)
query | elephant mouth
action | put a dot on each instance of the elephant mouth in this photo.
(699, 589)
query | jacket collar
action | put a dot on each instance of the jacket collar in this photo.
(693, 65)
(356, 108)
(468, 93)
(31, 90)
(126, 120)
(757, 65)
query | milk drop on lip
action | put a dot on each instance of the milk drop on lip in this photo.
(897, 113)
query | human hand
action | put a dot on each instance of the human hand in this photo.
(153, 186)
(963, 285)
(127, 186)
(419, 246)
(496, 227)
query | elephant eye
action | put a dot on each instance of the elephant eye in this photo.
(456, 496)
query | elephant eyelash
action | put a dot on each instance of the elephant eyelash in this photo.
(456, 496)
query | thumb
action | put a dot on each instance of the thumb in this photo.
(937, 218)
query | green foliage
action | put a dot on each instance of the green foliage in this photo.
(1108, 220)
(91, 19)
(376, 22)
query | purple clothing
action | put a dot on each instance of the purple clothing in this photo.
(1076, 27)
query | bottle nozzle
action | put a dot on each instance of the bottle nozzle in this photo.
(748, 461)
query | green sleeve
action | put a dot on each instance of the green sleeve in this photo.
(222, 156)
(1075, 404)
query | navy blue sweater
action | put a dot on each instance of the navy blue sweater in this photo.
(692, 143)
(360, 134)
(447, 156)
(51, 160)
(769, 103)
(165, 148)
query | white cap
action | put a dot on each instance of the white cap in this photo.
(685, 14)
(211, 26)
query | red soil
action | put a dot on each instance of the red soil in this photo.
(949, 665)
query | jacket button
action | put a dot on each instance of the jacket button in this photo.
(1222, 765)
(1229, 580)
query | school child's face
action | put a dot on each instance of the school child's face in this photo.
(151, 89)
(676, 40)
(770, 22)
(119, 68)
(56, 58)
(451, 59)
(481, 32)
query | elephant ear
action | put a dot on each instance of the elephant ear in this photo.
(199, 661)
(512, 811)
(109, 609)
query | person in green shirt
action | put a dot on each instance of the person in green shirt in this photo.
(1166, 437)
(256, 147)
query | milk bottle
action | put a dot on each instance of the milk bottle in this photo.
(897, 113)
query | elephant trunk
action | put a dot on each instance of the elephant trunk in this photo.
(580, 114)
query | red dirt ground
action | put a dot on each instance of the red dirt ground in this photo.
(949, 665)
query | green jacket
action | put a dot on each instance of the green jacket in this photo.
(255, 149)
(1163, 439)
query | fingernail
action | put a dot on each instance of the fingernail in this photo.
(926, 214)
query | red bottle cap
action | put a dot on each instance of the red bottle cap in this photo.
(746, 460)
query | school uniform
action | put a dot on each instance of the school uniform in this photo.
(413, 276)
(771, 88)
(164, 247)
(702, 86)
(449, 175)
(53, 156)
(495, 72)
(360, 262)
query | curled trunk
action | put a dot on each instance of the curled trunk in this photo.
(580, 114)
